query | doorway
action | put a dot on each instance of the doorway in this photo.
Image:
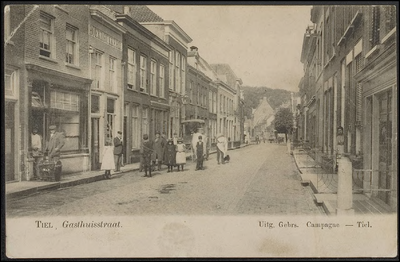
(385, 146)
(95, 159)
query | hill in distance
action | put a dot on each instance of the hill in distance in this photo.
(252, 96)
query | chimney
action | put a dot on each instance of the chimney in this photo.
(127, 10)
(194, 48)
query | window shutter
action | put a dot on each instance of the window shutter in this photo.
(358, 104)
(375, 26)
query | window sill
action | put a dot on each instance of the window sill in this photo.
(72, 66)
(373, 50)
(48, 59)
(391, 33)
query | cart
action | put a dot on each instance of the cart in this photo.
(49, 170)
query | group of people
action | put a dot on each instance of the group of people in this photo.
(52, 149)
(154, 153)
(171, 152)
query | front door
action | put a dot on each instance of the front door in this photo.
(9, 142)
(385, 145)
(95, 159)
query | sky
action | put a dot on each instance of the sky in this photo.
(262, 44)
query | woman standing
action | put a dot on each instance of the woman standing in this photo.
(107, 162)
(170, 155)
(222, 148)
(180, 154)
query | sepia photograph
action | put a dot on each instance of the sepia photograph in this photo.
(200, 130)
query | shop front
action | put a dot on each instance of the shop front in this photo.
(60, 100)
(379, 84)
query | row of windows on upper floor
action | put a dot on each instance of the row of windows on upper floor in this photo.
(339, 21)
(177, 63)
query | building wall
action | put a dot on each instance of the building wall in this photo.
(107, 85)
(144, 113)
(356, 92)
(54, 76)
(17, 162)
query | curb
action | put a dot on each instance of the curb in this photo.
(313, 188)
(61, 184)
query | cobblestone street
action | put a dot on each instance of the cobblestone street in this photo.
(260, 179)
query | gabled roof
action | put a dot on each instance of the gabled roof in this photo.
(142, 13)
(230, 76)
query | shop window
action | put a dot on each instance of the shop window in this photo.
(64, 101)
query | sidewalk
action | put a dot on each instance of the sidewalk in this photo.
(26, 188)
(324, 186)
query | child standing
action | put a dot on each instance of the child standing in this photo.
(170, 155)
(200, 153)
(107, 162)
(180, 154)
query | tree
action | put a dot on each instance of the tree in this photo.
(284, 120)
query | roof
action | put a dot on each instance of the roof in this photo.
(142, 13)
(224, 69)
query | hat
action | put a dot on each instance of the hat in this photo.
(145, 136)
(119, 132)
(52, 127)
(200, 137)
(157, 132)
(219, 135)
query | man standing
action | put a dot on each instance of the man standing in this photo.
(36, 141)
(200, 154)
(118, 151)
(147, 151)
(158, 151)
(195, 139)
(36, 149)
(55, 143)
